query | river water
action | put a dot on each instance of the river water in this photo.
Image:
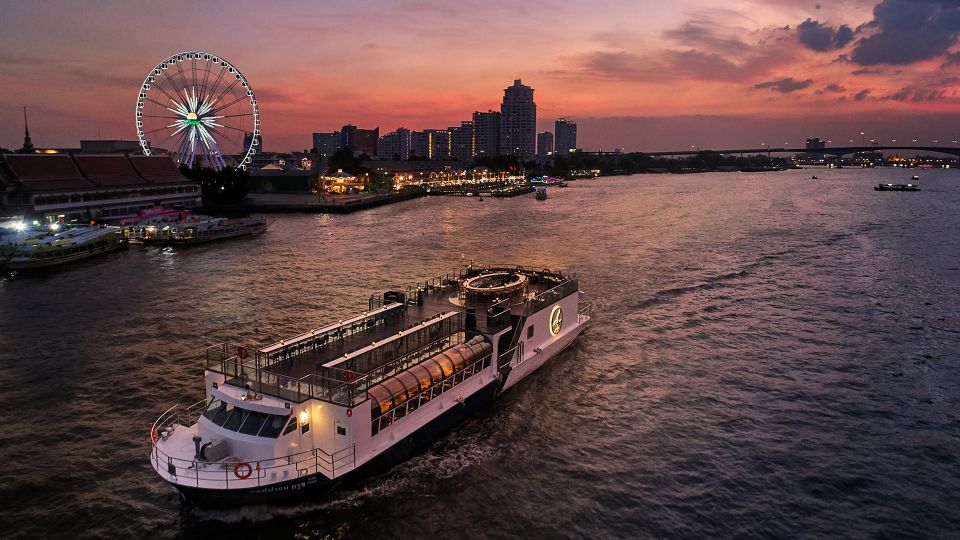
(770, 356)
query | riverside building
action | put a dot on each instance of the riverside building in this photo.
(81, 187)
(518, 121)
(545, 144)
(565, 132)
(486, 133)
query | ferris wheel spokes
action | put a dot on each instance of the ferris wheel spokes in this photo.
(197, 109)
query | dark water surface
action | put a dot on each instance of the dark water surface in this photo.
(770, 356)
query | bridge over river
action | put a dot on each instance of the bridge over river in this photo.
(838, 151)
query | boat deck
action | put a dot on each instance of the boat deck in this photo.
(309, 363)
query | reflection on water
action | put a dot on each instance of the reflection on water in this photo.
(771, 356)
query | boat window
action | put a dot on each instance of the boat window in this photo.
(234, 419)
(272, 426)
(530, 331)
(253, 422)
(245, 421)
(213, 408)
(292, 425)
(222, 414)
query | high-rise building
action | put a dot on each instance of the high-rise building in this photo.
(439, 143)
(394, 144)
(486, 133)
(518, 121)
(545, 144)
(816, 144)
(461, 140)
(565, 132)
(326, 144)
(360, 141)
(420, 144)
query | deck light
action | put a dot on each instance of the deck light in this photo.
(304, 416)
(20, 227)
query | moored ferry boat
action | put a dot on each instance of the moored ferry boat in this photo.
(64, 247)
(196, 230)
(336, 404)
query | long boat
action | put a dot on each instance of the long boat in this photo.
(331, 406)
(65, 247)
(197, 230)
(896, 187)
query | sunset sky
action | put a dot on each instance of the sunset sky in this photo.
(641, 75)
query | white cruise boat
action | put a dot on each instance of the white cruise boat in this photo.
(337, 404)
(65, 247)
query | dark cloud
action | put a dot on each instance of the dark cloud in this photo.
(907, 31)
(918, 95)
(705, 34)
(832, 89)
(785, 85)
(866, 71)
(861, 95)
(821, 37)
(707, 48)
(928, 92)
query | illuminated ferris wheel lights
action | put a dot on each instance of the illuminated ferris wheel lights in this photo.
(209, 118)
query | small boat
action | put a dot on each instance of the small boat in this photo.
(202, 229)
(814, 177)
(547, 181)
(897, 187)
(541, 193)
(67, 246)
(914, 177)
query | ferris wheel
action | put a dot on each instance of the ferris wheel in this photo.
(200, 109)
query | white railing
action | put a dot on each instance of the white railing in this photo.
(233, 472)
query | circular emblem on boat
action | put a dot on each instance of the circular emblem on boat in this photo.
(556, 320)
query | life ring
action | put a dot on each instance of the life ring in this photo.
(243, 465)
(241, 352)
(153, 435)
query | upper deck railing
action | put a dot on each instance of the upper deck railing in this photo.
(343, 380)
(287, 350)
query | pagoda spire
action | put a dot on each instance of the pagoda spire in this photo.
(27, 143)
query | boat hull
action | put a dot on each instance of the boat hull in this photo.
(204, 239)
(318, 485)
(35, 264)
